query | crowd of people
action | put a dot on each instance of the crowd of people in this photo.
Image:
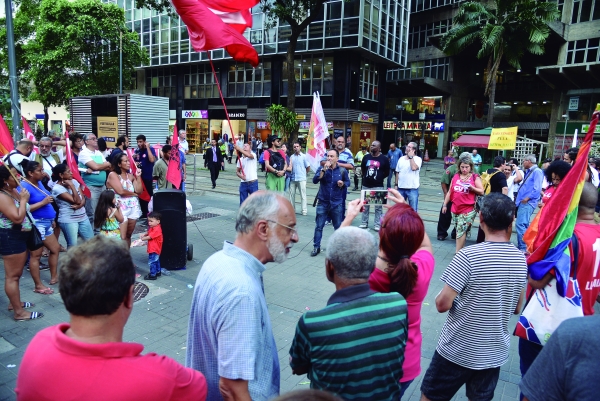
(366, 343)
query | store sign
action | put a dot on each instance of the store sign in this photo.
(194, 113)
(438, 126)
(306, 125)
(415, 125)
(219, 114)
(586, 127)
(364, 118)
(107, 128)
(262, 125)
(503, 138)
(574, 103)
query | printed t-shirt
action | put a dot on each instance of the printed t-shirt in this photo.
(462, 198)
(588, 270)
(380, 281)
(98, 178)
(547, 194)
(46, 211)
(375, 170)
(147, 165)
(497, 181)
(156, 239)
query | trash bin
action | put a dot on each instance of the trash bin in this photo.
(170, 203)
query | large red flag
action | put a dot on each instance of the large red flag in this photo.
(28, 134)
(216, 24)
(6, 140)
(174, 169)
(145, 195)
(75, 168)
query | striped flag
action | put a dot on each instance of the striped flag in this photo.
(549, 235)
(316, 146)
(6, 140)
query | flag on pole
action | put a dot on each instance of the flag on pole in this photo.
(145, 195)
(6, 140)
(174, 168)
(74, 168)
(28, 134)
(318, 134)
(549, 235)
(216, 24)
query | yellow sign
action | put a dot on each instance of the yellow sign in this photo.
(108, 129)
(503, 138)
(300, 116)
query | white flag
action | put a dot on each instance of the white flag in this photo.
(316, 145)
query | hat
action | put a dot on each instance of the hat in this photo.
(273, 137)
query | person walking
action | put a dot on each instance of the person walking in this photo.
(407, 175)
(394, 154)
(375, 168)
(300, 168)
(445, 219)
(214, 160)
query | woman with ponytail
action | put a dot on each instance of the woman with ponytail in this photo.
(405, 265)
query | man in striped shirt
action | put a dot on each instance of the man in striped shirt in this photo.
(484, 285)
(354, 347)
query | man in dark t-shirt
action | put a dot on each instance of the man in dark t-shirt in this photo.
(497, 184)
(375, 168)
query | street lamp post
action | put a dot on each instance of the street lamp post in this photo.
(120, 61)
(395, 120)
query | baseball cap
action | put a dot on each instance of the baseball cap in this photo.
(273, 137)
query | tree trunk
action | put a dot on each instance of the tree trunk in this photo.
(490, 89)
(492, 97)
(291, 95)
(46, 118)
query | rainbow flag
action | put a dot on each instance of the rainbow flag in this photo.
(6, 140)
(549, 235)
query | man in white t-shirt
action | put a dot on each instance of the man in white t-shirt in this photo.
(246, 170)
(183, 143)
(407, 175)
(513, 177)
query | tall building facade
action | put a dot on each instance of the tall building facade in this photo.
(344, 55)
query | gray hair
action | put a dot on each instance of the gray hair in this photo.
(181, 131)
(531, 158)
(465, 155)
(352, 252)
(45, 139)
(261, 205)
(413, 144)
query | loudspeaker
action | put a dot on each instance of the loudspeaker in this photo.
(170, 203)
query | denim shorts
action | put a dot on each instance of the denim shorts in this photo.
(12, 242)
(44, 226)
(444, 378)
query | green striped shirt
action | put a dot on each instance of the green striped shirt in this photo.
(355, 346)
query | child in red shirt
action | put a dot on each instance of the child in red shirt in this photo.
(155, 240)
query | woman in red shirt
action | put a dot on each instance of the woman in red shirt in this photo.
(464, 188)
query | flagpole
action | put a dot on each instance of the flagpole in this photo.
(12, 72)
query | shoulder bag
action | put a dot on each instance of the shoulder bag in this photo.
(34, 239)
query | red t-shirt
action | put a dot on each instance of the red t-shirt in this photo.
(380, 281)
(548, 194)
(267, 154)
(462, 198)
(57, 367)
(156, 239)
(588, 269)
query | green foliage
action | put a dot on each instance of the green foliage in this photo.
(282, 120)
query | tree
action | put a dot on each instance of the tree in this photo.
(506, 29)
(282, 120)
(75, 51)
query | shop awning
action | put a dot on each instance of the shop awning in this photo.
(473, 141)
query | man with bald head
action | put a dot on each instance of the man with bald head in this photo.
(375, 168)
(230, 338)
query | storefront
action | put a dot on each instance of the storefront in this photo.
(429, 135)
(196, 127)
(364, 132)
(219, 127)
(259, 129)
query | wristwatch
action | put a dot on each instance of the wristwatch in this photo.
(410, 157)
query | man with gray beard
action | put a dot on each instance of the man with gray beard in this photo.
(230, 338)
(47, 159)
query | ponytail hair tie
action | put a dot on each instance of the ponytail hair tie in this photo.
(404, 257)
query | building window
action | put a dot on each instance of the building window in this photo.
(314, 73)
(584, 11)
(245, 81)
(583, 51)
(368, 81)
(422, 5)
(199, 82)
(435, 68)
(419, 35)
(161, 82)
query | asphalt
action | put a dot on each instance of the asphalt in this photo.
(159, 320)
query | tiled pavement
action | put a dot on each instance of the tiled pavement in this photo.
(159, 321)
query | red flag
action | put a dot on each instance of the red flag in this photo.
(28, 134)
(74, 168)
(216, 24)
(6, 140)
(145, 195)
(174, 169)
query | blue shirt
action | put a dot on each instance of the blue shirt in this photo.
(229, 331)
(476, 161)
(531, 187)
(329, 191)
(394, 156)
(46, 211)
(299, 165)
(147, 166)
(345, 157)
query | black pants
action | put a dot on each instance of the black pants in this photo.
(444, 223)
(214, 172)
(143, 203)
(356, 181)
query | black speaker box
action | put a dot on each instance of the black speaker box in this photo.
(170, 203)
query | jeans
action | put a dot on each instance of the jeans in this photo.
(323, 211)
(246, 189)
(298, 186)
(523, 218)
(390, 177)
(90, 204)
(286, 188)
(411, 196)
(154, 263)
(378, 211)
(70, 231)
(404, 386)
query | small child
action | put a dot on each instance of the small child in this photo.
(108, 217)
(155, 240)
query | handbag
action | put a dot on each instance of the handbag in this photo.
(546, 309)
(34, 239)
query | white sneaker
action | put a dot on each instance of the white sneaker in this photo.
(304, 213)
(363, 225)
(376, 228)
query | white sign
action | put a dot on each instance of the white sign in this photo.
(573, 103)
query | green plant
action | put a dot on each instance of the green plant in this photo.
(282, 120)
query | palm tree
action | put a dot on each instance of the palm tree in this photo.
(506, 29)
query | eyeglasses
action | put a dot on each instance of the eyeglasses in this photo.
(292, 230)
(45, 146)
(92, 139)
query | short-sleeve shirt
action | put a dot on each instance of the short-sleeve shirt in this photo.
(299, 165)
(267, 156)
(567, 367)
(449, 174)
(229, 331)
(497, 181)
(461, 196)
(66, 214)
(36, 195)
(14, 158)
(156, 239)
(375, 170)
(488, 278)
(380, 281)
(407, 177)
(588, 269)
(250, 168)
(476, 159)
(160, 171)
(147, 165)
(183, 145)
(98, 178)
(345, 157)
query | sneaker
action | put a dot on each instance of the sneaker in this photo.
(363, 225)
(304, 213)
(150, 277)
(376, 228)
(327, 223)
(315, 251)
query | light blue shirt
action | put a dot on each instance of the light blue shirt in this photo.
(229, 332)
(531, 187)
(345, 157)
(299, 165)
(476, 161)
(394, 156)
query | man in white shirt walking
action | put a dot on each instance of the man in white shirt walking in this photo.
(183, 143)
(246, 171)
(300, 167)
(407, 175)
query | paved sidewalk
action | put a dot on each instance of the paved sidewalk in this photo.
(159, 321)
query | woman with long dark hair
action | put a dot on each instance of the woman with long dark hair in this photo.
(15, 228)
(108, 217)
(404, 265)
(40, 205)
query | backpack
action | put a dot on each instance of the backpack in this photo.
(485, 180)
(276, 160)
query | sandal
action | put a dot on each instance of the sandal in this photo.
(63, 249)
(45, 291)
(34, 315)
(53, 282)
(26, 305)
